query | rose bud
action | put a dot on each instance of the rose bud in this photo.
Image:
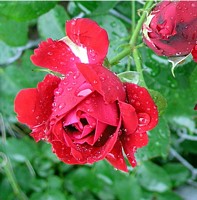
(171, 28)
(88, 114)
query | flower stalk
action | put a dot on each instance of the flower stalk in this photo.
(127, 51)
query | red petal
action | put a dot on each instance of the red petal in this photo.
(116, 158)
(144, 105)
(33, 106)
(56, 56)
(70, 94)
(195, 108)
(63, 152)
(87, 33)
(130, 144)
(71, 152)
(103, 81)
(194, 53)
(129, 117)
(95, 106)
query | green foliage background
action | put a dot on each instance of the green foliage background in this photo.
(167, 166)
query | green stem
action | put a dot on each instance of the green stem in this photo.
(138, 65)
(135, 35)
(133, 15)
(11, 178)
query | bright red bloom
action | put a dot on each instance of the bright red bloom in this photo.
(88, 114)
(194, 53)
(171, 28)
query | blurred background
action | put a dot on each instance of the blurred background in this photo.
(167, 167)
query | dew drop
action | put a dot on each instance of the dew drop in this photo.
(102, 78)
(137, 103)
(95, 81)
(87, 101)
(69, 89)
(58, 91)
(143, 119)
(50, 53)
(90, 110)
(84, 92)
(61, 105)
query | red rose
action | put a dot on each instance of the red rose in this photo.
(171, 28)
(88, 114)
(194, 53)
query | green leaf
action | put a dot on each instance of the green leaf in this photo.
(13, 78)
(8, 53)
(48, 195)
(189, 146)
(25, 10)
(179, 91)
(177, 172)
(117, 33)
(159, 142)
(27, 150)
(153, 178)
(127, 188)
(129, 76)
(52, 24)
(96, 7)
(159, 100)
(13, 33)
(168, 196)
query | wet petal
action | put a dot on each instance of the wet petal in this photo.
(71, 88)
(129, 117)
(130, 144)
(194, 53)
(56, 56)
(34, 106)
(116, 158)
(95, 106)
(103, 81)
(87, 33)
(144, 105)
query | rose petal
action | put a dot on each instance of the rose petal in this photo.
(70, 87)
(116, 158)
(63, 152)
(129, 117)
(130, 144)
(87, 33)
(56, 56)
(98, 109)
(144, 105)
(103, 81)
(194, 53)
(33, 106)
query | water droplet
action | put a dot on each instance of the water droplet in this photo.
(69, 88)
(50, 53)
(135, 96)
(76, 75)
(87, 101)
(73, 22)
(137, 103)
(102, 78)
(143, 119)
(84, 92)
(54, 104)
(95, 81)
(61, 105)
(58, 91)
(90, 110)
(193, 5)
(38, 117)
